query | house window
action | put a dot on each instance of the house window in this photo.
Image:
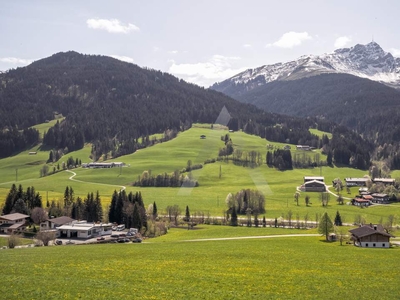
(366, 245)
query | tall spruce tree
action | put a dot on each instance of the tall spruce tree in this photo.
(187, 214)
(155, 214)
(338, 219)
(325, 225)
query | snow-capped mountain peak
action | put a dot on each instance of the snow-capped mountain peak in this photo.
(367, 61)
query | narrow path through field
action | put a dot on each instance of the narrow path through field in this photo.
(254, 237)
(76, 180)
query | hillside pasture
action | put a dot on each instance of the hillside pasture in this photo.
(209, 198)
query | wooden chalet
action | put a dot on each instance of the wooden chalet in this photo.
(371, 236)
(360, 202)
(12, 223)
(380, 198)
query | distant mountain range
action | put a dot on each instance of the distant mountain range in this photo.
(365, 61)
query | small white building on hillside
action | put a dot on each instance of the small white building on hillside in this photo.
(84, 230)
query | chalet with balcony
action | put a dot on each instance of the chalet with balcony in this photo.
(13, 223)
(360, 202)
(380, 198)
(371, 236)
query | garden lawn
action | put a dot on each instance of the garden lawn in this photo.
(270, 268)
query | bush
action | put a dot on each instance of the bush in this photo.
(13, 241)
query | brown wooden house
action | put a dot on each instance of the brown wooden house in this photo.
(371, 236)
(314, 186)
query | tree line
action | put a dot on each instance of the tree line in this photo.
(128, 209)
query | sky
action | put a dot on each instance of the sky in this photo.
(202, 42)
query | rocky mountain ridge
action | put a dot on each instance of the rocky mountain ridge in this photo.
(367, 61)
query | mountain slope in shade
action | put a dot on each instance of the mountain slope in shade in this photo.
(367, 61)
(361, 104)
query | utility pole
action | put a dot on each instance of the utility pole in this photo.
(16, 175)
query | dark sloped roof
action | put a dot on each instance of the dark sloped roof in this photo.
(367, 230)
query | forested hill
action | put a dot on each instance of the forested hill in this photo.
(361, 104)
(113, 103)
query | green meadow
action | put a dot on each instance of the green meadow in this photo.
(181, 265)
(209, 198)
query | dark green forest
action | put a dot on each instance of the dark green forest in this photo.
(116, 106)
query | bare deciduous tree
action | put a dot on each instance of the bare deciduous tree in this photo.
(38, 215)
(45, 237)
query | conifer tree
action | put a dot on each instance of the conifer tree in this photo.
(338, 219)
(325, 225)
(234, 218)
(155, 214)
(187, 214)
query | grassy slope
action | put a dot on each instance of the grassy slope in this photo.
(275, 268)
(278, 186)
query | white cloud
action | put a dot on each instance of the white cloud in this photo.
(111, 25)
(342, 41)
(16, 60)
(123, 58)
(156, 49)
(173, 52)
(217, 68)
(395, 52)
(246, 46)
(291, 39)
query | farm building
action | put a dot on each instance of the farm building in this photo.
(385, 181)
(11, 223)
(303, 147)
(357, 181)
(103, 165)
(373, 236)
(314, 186)
(84, 230)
